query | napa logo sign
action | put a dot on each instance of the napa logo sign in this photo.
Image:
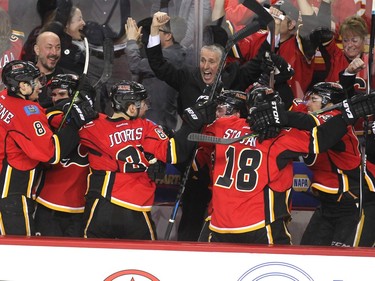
(301, 182)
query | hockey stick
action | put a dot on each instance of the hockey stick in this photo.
(217, 140)
(328, 108)
(81, 82)
(241, 34)
(365, 122)
(263, 15)
(108, 54)
(246, 31)
(271, 27)
(270, 21)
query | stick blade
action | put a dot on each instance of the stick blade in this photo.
(258, 9)
(196, 137)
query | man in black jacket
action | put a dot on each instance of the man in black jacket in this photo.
(190, 83)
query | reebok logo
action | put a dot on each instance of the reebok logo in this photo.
(275, 112)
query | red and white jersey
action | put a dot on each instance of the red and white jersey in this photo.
(299, 105)
(117, 160)
(251, 180)
(64, 185)
(26, 141)
(12, 53)
(338, 169)
(291, 50)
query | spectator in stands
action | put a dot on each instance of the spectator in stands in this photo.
(23, 15)
(163, 98)
(48, 53)
(72, 46)
(291, 37)
(186, 9)
(354, 33)
(106, 19)
(46, 12)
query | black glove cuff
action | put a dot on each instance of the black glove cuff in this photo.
(192, 118)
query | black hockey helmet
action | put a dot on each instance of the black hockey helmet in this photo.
(125, 93)
(261, 94)
(328, 91)
(18, 71)
(67, 82)
(233, 100)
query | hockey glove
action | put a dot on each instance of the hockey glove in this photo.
(267, 64)
(358, 106)
(208, 90)
(283, 71)
(268, 133)
(270, 113)
(202, 99)
(264, 79)
(80, 113)
(86, 92)
(169, 132)
(200, 114)
(321, 36)
(267, 120)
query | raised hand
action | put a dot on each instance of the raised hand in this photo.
(158, 20)
(133, 32)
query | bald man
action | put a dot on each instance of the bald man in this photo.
(48, 52)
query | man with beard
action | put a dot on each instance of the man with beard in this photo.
(48, 53)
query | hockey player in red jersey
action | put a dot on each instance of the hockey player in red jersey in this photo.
(25, 142)
(121, 148)
(336, 181)
(339, 220)
(252, 178)
(60, 195)
(230, 103)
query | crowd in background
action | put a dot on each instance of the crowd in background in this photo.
(321, 41)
